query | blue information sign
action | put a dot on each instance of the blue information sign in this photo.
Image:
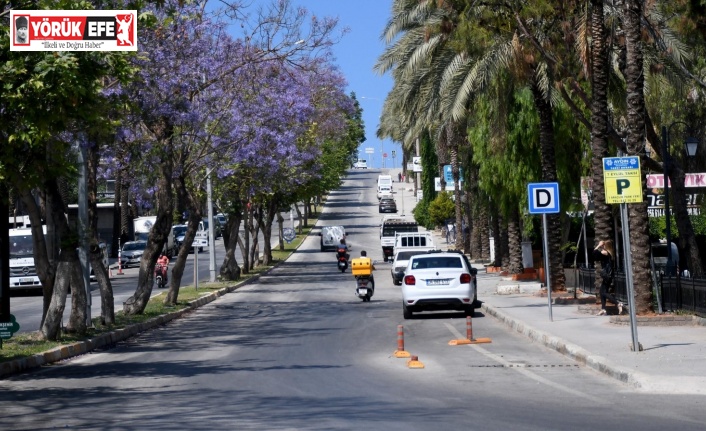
(543, 198)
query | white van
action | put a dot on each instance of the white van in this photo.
(360, 164)
(384, 185)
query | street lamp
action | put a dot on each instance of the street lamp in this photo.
(690, 144)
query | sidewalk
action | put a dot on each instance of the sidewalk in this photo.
(673, 359)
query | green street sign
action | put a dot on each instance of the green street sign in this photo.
(9, 328)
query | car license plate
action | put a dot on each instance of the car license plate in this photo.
(438, 282)
(26, 280)
(362, 291)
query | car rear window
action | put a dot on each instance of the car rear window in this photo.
(437, 262)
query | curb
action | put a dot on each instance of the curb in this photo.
(567, 349)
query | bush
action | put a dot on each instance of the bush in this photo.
(441, 209)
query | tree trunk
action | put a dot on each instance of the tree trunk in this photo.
(602, 215)
(94, 251)
(687, 237)
(639, 225)
(546, 142)
(280, 230)
(158, 234)
(483, 224)
(514, 238)
(51, 326)
(230, 270)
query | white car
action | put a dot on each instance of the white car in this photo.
(439, 281)
(399, 264)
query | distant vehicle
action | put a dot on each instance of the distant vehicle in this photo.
(222, 219)
(384, 185)
(131, 253)
(143, 226)
(23, 273)
(399, 263)
(217, 233)
(389, 228)
(439, 281)
(179, 231)
(387, 205)
(360, 164)
(331, 237)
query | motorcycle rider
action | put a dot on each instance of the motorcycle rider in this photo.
(164, 261)
(364, 254)
(343, 248)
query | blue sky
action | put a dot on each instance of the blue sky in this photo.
(356, 55)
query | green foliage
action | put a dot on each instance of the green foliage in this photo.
(441, 208)
(421, 214)
(658, 226)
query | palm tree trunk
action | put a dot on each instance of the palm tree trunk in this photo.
(639, 224)
(546, 142)
(602, 215)
(514, 243)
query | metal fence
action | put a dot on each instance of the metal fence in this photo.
(683, 293)
(676, 292)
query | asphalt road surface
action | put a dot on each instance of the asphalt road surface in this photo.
(299, 351)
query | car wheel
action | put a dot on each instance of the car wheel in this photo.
(406, 312)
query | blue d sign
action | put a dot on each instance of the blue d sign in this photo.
(543, 198)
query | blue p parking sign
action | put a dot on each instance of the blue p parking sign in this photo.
(543, 198)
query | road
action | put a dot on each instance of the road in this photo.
(299, 351)
(27, 309)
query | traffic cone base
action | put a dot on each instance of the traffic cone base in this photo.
(401, 354)
(414, 363)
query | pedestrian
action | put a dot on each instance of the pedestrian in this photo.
(399, 177)
(605, 252)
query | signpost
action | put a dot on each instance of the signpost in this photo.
(623, 185)
(8, 328)
(371, 151)
(544, 199)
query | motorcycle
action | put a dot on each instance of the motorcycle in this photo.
(342, 257)
(365, 287)
(160, 276)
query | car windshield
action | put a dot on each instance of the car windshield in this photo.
(406, 255)
(387, 202)
(437, 262)
(179, 230)
(389, 229)
(131, 246)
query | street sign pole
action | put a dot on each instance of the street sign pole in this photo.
(544, 199)
(623, 185)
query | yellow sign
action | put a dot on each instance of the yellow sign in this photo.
(622, 180)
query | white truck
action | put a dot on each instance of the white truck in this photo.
(23, 273)
(143, 226)
(388, 232)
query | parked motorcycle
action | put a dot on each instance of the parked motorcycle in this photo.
(160, 274)
(365, 287)
(342, 258)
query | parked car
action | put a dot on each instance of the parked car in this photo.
(131, 253)
(387, 205)
(331, 237)
(399, 264)
(439, 280)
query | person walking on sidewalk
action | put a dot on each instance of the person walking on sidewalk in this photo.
(605, 252)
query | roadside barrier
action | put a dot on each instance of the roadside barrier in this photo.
(400, 352)
(469, 336)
